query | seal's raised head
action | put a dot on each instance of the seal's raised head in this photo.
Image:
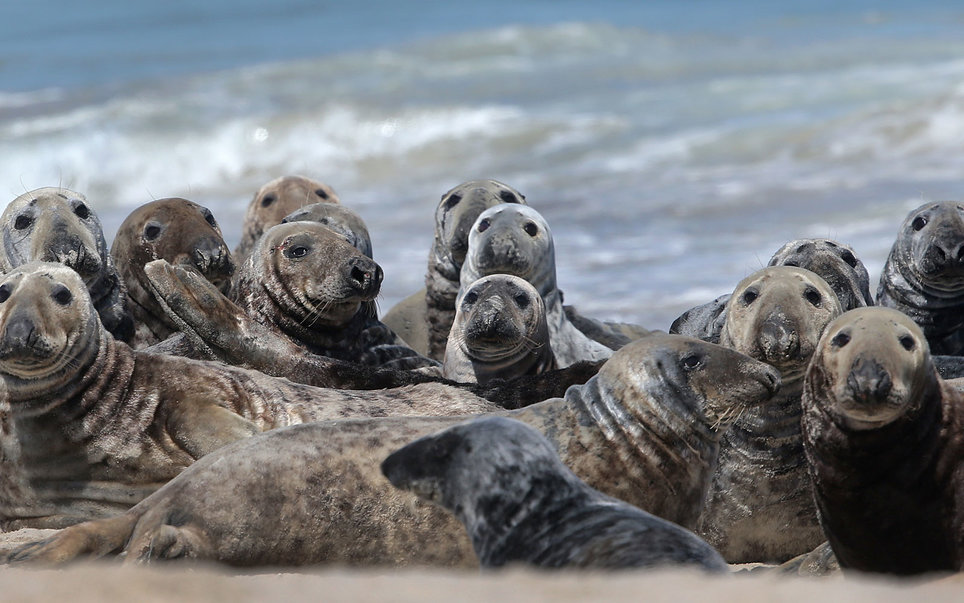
(930, 247)
(458, 210)
(511, 239)
(835, 263)
(871, 367)
(338, 218)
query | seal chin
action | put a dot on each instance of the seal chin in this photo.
(862, 413)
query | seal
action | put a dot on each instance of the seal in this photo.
(58, 225)
(835, 263)
(516, 240)
(882, 434)
(644, 430)
(703, 322)
(500, 332)
(179, 231)
(339, 218)
(519, 504)
(924, 274)
(92, 426)
(424, 318)
(759, 507)
(274, 201)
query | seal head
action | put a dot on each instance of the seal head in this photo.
(835, 263)
(338, 218)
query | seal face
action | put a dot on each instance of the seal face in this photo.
(516, 240)
(58, 225)
(500, 332)
(835, 263)
(179, 231)
(275, 200)
(520, 504)
(882, 436)
(425, 318)
(338, 218)
(924, 274)
(759, 507)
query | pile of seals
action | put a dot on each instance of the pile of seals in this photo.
(170, 399)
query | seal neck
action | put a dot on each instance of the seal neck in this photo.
(769, 434)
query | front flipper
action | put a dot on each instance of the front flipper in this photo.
(200, 427)
(88, 540)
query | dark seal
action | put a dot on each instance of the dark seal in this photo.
(835, 263)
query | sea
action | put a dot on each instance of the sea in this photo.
(672, 145)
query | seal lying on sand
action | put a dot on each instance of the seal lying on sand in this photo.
(759, 507)
(504, 481)
(91, 426)
(499, 332)
(924, 274)
(339, 218)
(274, 201)
(644, 430)
(883, 437)
(424, 318)
(58, 225)
(516, 240)
(176, 230)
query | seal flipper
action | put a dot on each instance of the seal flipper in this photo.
(90, 540)
(200, 427)
(166, 541)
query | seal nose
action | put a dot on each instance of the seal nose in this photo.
(778, 339)
(20, 332)
(869, 381)
(365, 275)
(212, 256)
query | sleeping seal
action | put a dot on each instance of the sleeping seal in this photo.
(58, 225)
(504, 481)
(884, 437)
(644, 430)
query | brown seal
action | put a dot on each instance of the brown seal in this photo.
(644, 430)
(884, 436)
(339, 218)
(759, 507)
(274, 201)
(91, 426)
(179, 231)
(424, 318)
(58, 225)
(519, 503)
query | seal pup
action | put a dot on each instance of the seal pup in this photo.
(179, 231)
(644, 430)
(91, 426)
(339, 218)
(516, 240)
(275, 200)
(424, 318)
(759, 507)
(58, 225)
(883, 437)
(924, 274)
(519, 504)
(500, 332)
(835, 263)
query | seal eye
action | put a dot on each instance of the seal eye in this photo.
(919, 223)
(62, 295)
(23, 221)
(521, 300)
(322, 193)
(531, 229)
(452, 201)
(907, 342)
(209, 218)
(508, 197)
(296, 251)
(484, 225)
(840, 340)
(267, 200)
(692, 361)
(749, 296)
(82, 211)
(152, 231)
(4, 292)
(849, 258)
(813, 296)
(470, 298)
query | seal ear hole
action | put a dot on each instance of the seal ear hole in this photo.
(82, 211)
(531, 229)
(919, 223)
(453, 200)
(849, 258)
(749, 296)
(152, 231)
(907, 342)
(322, 193)
(813, 296)
(268, 200)
(296, 251)
(484, 225)
(23, 221)
(840, 339)
(692, 361)
(470, 298)
(5, 290)
(62, 295)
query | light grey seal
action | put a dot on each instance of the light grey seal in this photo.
(58, 225)
(644, 430)
(519, 504)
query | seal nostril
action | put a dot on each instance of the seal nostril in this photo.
(360, 276)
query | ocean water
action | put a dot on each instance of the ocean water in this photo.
(672, 146)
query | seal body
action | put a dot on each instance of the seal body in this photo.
(92, 426)
(516, 240)
(835, 263)
(759, 507)
(424, 318)
(500, 332)
(275, 200)
(519, 503)
(644, 430)
(338, 218)
(179, 231)
(58, 225)
(924, 274)
(884, 437)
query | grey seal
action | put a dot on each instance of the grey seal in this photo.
(834, 262)
(339, 218)
(519, 504)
